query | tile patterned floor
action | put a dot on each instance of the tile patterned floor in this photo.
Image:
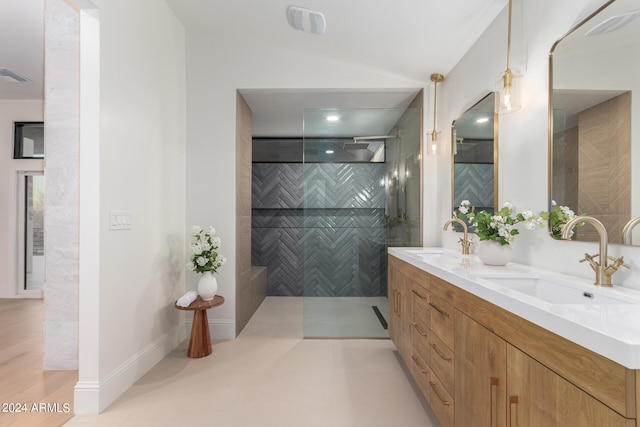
(271, 377)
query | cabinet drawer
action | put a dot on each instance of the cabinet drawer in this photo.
(421, 373)
(442, 363)
(441, 320)
(441, 402)
(420, 302)
(421, 335)
(442, 289)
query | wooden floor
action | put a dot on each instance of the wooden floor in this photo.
(47, 396)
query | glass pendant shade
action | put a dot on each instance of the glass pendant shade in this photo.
(433, 148)
(508, 92)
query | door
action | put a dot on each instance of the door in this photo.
(481, 372)
(538, 396)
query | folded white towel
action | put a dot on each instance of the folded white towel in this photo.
(187, 299)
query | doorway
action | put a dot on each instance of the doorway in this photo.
(31, 255)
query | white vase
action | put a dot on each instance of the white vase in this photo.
(492, 252)
(207, 286)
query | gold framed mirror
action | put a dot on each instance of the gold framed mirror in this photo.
(593, 71)
(474, 160)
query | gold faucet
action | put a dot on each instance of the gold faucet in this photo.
(602, 268)
(626, 231)
(464, 241)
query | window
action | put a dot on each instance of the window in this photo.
(28, 140)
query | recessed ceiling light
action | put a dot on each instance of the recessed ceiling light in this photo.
(333, 118)
(482, 120)
(329, 151)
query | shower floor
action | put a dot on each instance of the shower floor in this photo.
(345, 317)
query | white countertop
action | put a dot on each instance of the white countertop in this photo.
(611, 330)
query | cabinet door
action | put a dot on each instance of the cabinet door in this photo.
(540, 397)
(406, 316)
(399, 288)
(480, 375)
(394, 307)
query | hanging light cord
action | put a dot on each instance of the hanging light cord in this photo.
(508, 75)
(434, 135)
(435, 78)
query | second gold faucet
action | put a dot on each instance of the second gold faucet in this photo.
(602, 268)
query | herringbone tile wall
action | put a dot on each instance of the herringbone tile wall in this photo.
(474, 182)
(319, 228)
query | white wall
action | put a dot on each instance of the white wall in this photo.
(24, 110)
(523, 142)
(141, 170)
(215, 69)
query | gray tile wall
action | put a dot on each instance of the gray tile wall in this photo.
(326, 241)
(474, 182)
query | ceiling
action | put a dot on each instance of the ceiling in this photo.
(410, 39)
(22, 47)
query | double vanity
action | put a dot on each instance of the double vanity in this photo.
(514, 345)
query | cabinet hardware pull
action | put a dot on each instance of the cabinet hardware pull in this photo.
(436, 308)
(434, 386)
(441, 354)
(396, 303)
(415, 325)
(513, 400)
(494, 408)
(417, 362)
(417, 294)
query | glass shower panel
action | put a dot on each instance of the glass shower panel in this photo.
(348, 211)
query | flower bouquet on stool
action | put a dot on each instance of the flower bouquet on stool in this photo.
(205, 259)
(496, 231)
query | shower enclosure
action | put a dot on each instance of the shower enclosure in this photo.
(361, 194)
(325, 207)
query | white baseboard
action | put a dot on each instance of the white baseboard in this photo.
(93, 397)
(219, 329)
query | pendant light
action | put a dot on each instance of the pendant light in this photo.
(508, 85)
(433, 143)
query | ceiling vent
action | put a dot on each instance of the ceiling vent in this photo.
(8, 76)
(306, 20)
(614, 23)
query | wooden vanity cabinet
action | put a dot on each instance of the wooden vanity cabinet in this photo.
(502, 386)
(504, 371)
(428, 349)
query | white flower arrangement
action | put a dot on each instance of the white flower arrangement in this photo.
(204, 250)
(499, 226)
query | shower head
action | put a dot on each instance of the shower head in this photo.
(355, 145)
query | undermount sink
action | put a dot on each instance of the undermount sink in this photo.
(557, 290)
(433, 253)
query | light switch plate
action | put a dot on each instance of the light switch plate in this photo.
(119, 220)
